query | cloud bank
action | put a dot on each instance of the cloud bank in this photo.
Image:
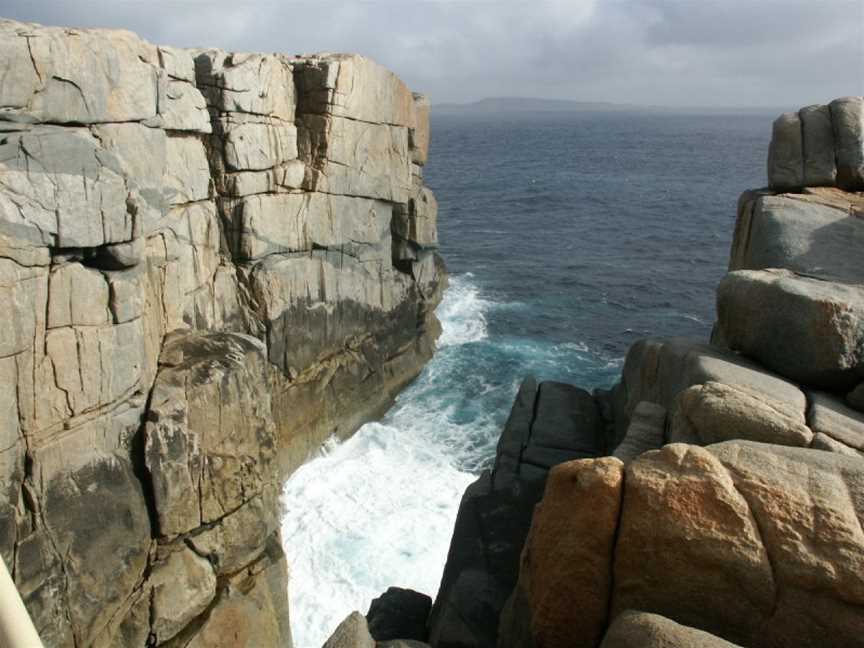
(662, 52)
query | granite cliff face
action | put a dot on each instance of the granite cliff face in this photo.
(209, 262)
(715, 497)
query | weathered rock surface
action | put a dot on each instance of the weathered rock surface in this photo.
(564, 581)
(197, 249)
(757, 544)
(633, 629)
(819, 146)
(351, 633)
(823, 334)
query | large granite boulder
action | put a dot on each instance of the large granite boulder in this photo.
(821, 324)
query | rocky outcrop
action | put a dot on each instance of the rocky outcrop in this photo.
(755, 543)
(212, 261)
(549, 424)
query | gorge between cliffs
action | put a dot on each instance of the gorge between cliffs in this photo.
(243, 395)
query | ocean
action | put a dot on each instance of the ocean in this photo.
(568, 236)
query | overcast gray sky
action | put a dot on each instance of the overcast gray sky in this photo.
(665, 52)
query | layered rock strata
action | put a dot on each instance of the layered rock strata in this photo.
(731, 511)
(211, 262)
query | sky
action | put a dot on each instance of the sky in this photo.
(684, 53)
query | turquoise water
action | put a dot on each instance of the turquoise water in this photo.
(567, 237)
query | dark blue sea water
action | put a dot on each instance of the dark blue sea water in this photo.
(568, 237)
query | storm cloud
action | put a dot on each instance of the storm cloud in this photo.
(662, 52)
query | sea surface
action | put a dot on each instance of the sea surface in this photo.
(568, 237)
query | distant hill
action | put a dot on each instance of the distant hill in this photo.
(507, 105)
(528, 104)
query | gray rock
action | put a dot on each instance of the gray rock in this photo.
(847, 117)
(214, 383)
(786, 154)
(830, 416)
(646, 432)
(183, 586)
(829, 444)
(348, 85)
(419, 134)
(632, 629)
(715, 412)
(820, 168)
(255, 84)
(351, 633)
(796, 233)
(821, 324)
(658, 369)
(353, 158)
(80, 76)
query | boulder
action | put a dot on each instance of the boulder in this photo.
(564, 579)
(351, 633)
(830, 416)
(847, 118)
(183, 586)
(786, 154)
(353, 158)
(715, 412)
(767, 545)
(794, 231)
(75, 76)
(252, 609)
(688, 546)
(399, 614)
(252, 84)
(632, 629)
(821, 325)
(658, 369)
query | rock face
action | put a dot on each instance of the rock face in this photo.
(548, 424)
(212, 261)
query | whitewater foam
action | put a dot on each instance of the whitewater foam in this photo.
(378, 510)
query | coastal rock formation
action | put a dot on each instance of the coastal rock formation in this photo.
(212, 261)
(549, 424)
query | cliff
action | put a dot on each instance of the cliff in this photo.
(715, 496)
(210, 262)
